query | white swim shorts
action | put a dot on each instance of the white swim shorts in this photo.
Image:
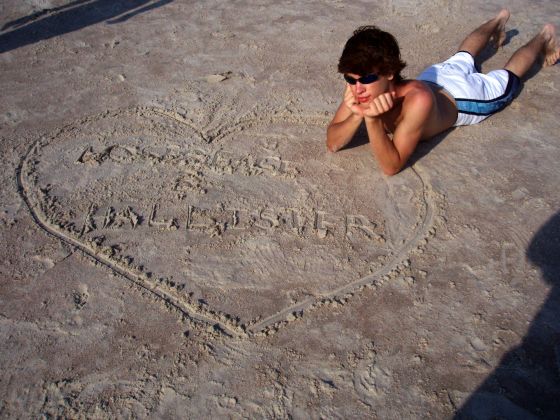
(476, 95)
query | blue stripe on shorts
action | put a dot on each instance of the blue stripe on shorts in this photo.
(491, 106)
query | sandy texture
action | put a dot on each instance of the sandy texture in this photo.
(177, 241)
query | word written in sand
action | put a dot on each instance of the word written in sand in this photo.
(219, 161)
(222, 220)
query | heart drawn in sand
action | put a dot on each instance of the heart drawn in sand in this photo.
(244, 224)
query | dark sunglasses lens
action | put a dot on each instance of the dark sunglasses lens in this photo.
(370, 78)
(349, 79)
(366, 80)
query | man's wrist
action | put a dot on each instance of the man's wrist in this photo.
(373, 120)
(357, 117)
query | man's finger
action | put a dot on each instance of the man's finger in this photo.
(390, 102)
(390, 98)
(375, 108)
(383, 103)
(350, 102)
(387, 101)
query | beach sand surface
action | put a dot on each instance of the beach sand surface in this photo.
(178, 243)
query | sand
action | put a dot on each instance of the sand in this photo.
(178, 242)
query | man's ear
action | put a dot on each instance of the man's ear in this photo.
(390, 77)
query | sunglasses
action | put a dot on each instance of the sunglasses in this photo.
(366, 80)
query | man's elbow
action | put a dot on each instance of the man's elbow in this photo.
(332, 147)
(391, 170)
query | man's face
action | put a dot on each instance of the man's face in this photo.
(365, 92)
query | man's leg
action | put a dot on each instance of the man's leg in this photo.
(543, 43)
(494, 29)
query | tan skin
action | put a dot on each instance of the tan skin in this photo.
(413, 110)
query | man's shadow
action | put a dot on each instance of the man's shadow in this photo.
(68, 18)
(526, 384)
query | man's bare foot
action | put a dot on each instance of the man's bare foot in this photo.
(499, 36)
(551, 48)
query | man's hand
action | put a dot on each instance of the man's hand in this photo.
(351, 103)
(379, 105)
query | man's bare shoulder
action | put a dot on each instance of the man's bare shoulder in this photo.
(414, 89)
(427, 105)
(417, 96)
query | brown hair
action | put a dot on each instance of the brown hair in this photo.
(370, 49)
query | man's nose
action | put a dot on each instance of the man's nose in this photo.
(359, 87)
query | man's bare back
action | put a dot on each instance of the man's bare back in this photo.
(414, 110)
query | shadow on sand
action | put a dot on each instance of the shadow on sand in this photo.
(526, 384)
(71, 17)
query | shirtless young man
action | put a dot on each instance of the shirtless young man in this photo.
(445, 95)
